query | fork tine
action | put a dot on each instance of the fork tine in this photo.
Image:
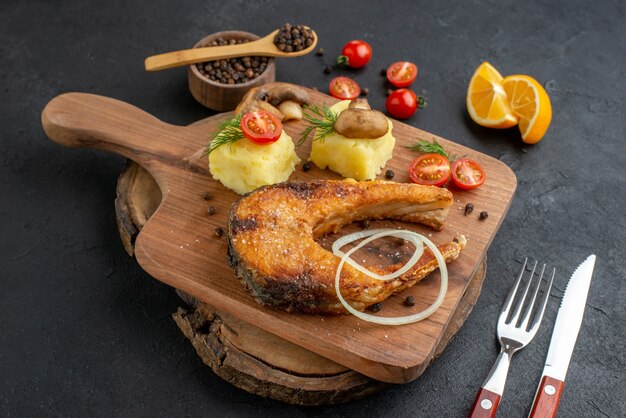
(509, 299)
(539, 315)
(520, 305)
(531, 305)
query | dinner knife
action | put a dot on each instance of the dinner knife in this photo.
(566, 327)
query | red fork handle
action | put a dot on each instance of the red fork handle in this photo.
(547, 398)
(485, 405)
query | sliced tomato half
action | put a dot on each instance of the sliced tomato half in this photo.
(467, 174)
(261, 127)
(430, 170)
(344, 88)
(402, 73)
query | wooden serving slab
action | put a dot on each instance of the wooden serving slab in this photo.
(269, 366)
(178, 244)
(244, 355)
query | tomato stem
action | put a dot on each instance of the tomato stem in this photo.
(343, 61)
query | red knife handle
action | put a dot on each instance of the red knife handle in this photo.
(547, 398)
(485, 405)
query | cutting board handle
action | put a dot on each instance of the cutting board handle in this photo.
(89, 120)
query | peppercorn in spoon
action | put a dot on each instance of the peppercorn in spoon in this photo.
(273, 45)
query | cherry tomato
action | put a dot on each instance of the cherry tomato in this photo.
(430, 170)
(402, 73)
(402, 103)
(261, 127)
(344, 88)
(355, 54)
(467, 174)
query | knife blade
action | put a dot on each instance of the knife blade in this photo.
(568, 321)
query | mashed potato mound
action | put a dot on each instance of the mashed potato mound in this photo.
(360, 159)
(243, 166)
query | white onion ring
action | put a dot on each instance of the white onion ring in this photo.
(374, 234)
(379, 233)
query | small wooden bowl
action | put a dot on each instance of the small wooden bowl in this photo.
(225, 97)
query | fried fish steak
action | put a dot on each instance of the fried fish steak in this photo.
(272, 247)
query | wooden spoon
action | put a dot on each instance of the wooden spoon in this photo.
(262, 47)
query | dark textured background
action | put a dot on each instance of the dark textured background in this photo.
(85, 332)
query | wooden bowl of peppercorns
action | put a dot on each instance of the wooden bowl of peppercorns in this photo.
(220, 85)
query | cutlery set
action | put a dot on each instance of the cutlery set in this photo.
(515, 330)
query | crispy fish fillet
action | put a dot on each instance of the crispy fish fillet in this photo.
(272, 232)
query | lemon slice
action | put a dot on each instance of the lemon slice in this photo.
(487, 101)
(530, 103)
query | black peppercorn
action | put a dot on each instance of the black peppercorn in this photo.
(409, 301)
(383, 72)
(320, 52)
(365, 91)
(233, 70)
(328, 69)
(469, 208)
(376, 307)
(389, 174)
(295, 38)
(306, 166)
(207, 196)
(211, 210)
(483, 215)
(219, 231)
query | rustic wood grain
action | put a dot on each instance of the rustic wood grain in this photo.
(137, 197)
(257, 361)
(269, 366)
(178, 245)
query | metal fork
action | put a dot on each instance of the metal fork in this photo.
(514, 334)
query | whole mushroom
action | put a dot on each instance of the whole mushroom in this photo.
(283, 100)
(360, 121)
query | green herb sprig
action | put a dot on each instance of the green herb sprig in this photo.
(228, 132)
(321, 118)
(431, 147)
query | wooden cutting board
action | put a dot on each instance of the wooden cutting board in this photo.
(179, 247)
(244, 355)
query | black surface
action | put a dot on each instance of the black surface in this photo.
(85, 332)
